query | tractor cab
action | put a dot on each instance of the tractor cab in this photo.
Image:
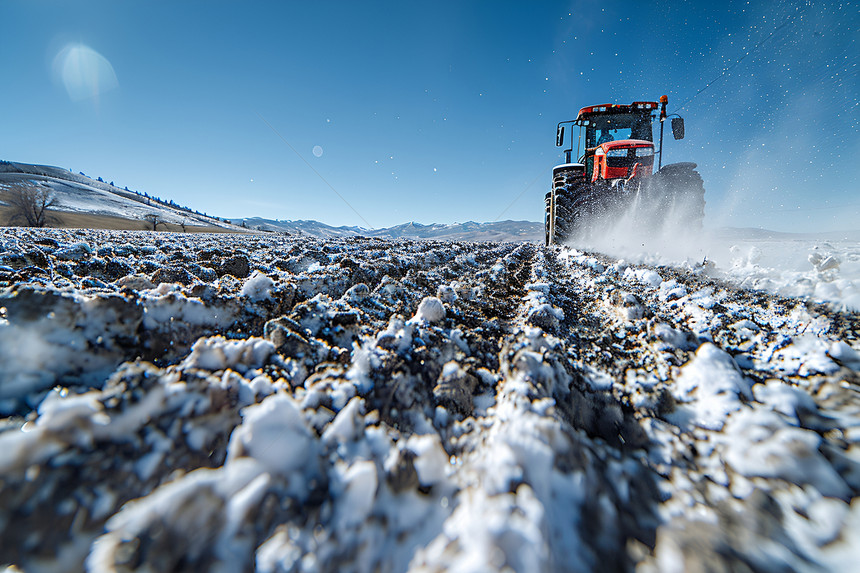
(626, 127)
(605, 123)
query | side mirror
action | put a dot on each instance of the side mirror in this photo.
(678, 127)
(559, 136)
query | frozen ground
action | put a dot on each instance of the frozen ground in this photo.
(230, 403)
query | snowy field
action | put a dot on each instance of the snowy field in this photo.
(235, 403)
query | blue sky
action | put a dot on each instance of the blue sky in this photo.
(430, 112)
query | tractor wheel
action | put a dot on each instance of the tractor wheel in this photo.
(564, 217)
(588, 208)
(547, 216)
(569, 212)
(677, 195)
(561, 220)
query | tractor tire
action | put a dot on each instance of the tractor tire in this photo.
(547, 217)
(587, 208)
(561, 221)
(676, 197)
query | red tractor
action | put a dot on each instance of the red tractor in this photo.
(615, 176)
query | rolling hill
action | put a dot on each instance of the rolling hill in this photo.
(85, 202)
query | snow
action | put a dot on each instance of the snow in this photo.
(359, 490)
(429, 310)
(790, 401)
(709, 388)
(446, 293)
(842, 353)
(275, 434)
(218, 353)
(764, 445)
(74, 252)
(346, 426)
(257, 287)
(430, 461)
(644, 276)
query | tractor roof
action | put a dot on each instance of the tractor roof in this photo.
(637, 107)
(625, 143)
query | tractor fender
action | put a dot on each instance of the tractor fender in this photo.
(689, 165)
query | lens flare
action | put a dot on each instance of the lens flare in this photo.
(84, 72)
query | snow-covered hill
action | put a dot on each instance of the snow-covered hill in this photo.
(79, 194)
(514, 231)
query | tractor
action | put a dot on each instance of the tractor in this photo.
(614, 178)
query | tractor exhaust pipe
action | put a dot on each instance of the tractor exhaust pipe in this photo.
(664, 99)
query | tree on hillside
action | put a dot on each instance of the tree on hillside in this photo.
(154, 219)
(30, 204)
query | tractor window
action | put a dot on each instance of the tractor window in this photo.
(604, 135)
(641, 129)
(613, 127)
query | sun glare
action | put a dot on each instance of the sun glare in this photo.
(84, 72)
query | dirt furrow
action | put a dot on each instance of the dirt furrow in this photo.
(292, 404)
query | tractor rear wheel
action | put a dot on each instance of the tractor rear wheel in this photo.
(676, 194)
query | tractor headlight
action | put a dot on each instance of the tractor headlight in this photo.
(616, 153)
(644, 151)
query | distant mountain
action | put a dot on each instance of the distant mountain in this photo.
(81, 198)
(312, 228)
(468, 231)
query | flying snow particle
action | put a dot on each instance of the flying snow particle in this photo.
(318, 151)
